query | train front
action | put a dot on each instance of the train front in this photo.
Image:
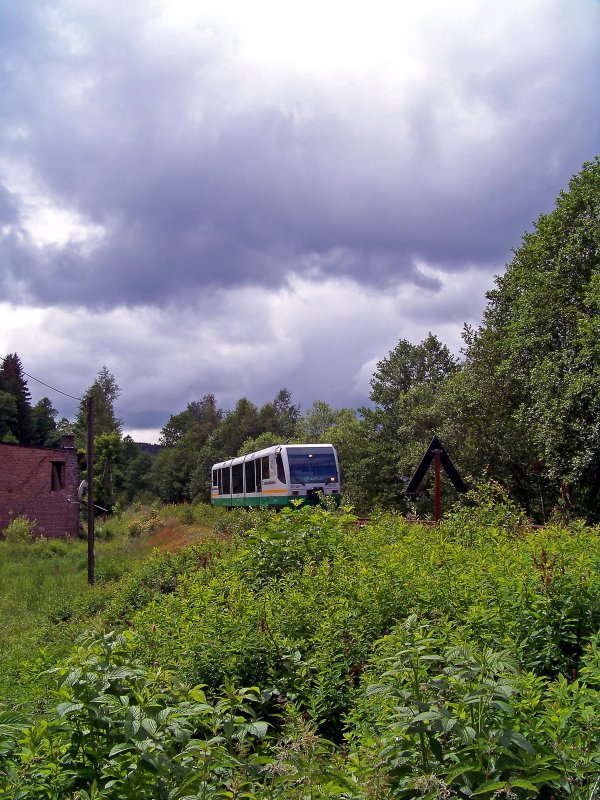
(314, 472)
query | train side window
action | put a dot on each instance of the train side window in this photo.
(226, 481)
(250, 478)
(237, 479)
(265, 468)
(280, 470)
(257, 471)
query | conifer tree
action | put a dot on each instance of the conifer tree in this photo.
(13, 382)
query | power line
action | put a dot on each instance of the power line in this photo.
(54, 389)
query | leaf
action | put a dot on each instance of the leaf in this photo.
(122, 747)
(436, 748)
(258, 729)
(521, 783)
(491, 786)
(149, 725)
(65, 708)
(456, 773)
(520, 741)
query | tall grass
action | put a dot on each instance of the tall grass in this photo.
(43, 585)
(45, 599)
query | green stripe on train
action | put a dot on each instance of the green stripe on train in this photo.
(275, 501)
(262, 502)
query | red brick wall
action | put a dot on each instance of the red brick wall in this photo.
(26, 488)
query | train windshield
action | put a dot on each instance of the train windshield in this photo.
(312, 466)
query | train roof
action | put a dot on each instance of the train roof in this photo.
(266, 451)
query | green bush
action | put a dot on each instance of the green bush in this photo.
(20, 530)
(144, 525)
(391, 660)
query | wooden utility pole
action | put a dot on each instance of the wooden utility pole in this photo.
(90, 486)
(438, 485)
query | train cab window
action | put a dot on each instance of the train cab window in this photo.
(280, 469)
(215, 480)
(250, 477)
(237, 479)
(226, 480)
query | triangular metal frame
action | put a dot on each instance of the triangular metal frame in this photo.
(415, 482)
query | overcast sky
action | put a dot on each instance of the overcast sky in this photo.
(234, 196)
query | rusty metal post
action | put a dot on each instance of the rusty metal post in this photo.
(90, 487)
(438, 486)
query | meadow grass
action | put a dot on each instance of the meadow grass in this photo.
(45, 599)
(43, 585)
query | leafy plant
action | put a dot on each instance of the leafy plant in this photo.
(20, 530)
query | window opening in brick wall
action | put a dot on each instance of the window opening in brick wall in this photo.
(57, 476)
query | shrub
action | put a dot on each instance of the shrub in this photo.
(20, 530)
(145, 525)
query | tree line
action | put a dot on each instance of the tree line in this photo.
(520, 406)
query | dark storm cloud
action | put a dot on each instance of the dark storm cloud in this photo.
(197, 185)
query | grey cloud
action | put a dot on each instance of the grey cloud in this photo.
(198, 189)
(9, 214)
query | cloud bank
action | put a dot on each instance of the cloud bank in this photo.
(250, 198)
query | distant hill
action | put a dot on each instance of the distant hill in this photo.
(146, 447)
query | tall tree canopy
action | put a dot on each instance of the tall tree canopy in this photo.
(380, 452)
(44, 429)
(8, 417)
(105, 391)
(12, 382)
(533, 367)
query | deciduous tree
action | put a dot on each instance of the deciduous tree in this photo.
(43, 419)
(105, 391)
(533, 367)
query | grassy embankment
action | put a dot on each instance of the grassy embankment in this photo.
(45, 599)
(390, 660)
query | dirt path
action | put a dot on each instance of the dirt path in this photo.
(172, 535)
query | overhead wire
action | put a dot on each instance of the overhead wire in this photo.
(54, 389)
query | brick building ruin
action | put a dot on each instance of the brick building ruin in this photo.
(40, 483)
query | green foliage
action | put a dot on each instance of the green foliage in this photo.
(104, 391)
(530, 391)
(266, 439)
(16, 419)
(203, 434)
(315, 425)
(43, 421)
(384, 660)
(143, 525)
(170, 474)
(467, 693)
(135, 473)
(20, 530)
(123, 730)
(379, 453)
(8, 416)
(299, 600)
(45, 602)
(109, 458)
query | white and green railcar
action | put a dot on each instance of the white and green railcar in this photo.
(276, 476)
